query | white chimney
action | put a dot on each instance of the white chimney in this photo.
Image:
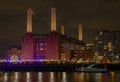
(53, 19)
(29, 20)
(62, 29)
(80, 32)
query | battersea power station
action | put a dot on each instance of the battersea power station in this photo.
(52, 46)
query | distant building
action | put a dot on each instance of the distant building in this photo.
(13, 53)
(107, 43)
(90, 51)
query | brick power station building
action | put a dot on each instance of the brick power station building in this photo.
(52, 46)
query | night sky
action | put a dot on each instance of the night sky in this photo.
(95, 15)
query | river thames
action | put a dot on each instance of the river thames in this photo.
(59, 77)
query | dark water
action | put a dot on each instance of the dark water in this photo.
(59, 77)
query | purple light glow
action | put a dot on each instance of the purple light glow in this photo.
(8, 59)
(39, 58)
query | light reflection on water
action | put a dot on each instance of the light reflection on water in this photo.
(40, 77)
(28, 77)
(5, 77)
(64, 79)
(52, 77)
(16, 77)
(59, 77)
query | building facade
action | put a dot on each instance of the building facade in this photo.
(13, 53)
(107, 44)
(53, 46)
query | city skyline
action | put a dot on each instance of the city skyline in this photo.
(95, 15)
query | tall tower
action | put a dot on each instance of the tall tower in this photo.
(29, 20)
(80, 32)
(62, 29)
(52, 39)
(28, 40)
(53, 19)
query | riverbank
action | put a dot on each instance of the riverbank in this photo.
(68, 67)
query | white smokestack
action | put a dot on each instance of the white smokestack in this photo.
(29, 20)
(62, 29)
(53, 19)
(80, 32)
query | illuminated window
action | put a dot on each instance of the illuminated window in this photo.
(110, 46)
(101, 33)
(13, 51)
(41, 48)
(41, 43)
(105, 47)
(96, 38)
(100, 42)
